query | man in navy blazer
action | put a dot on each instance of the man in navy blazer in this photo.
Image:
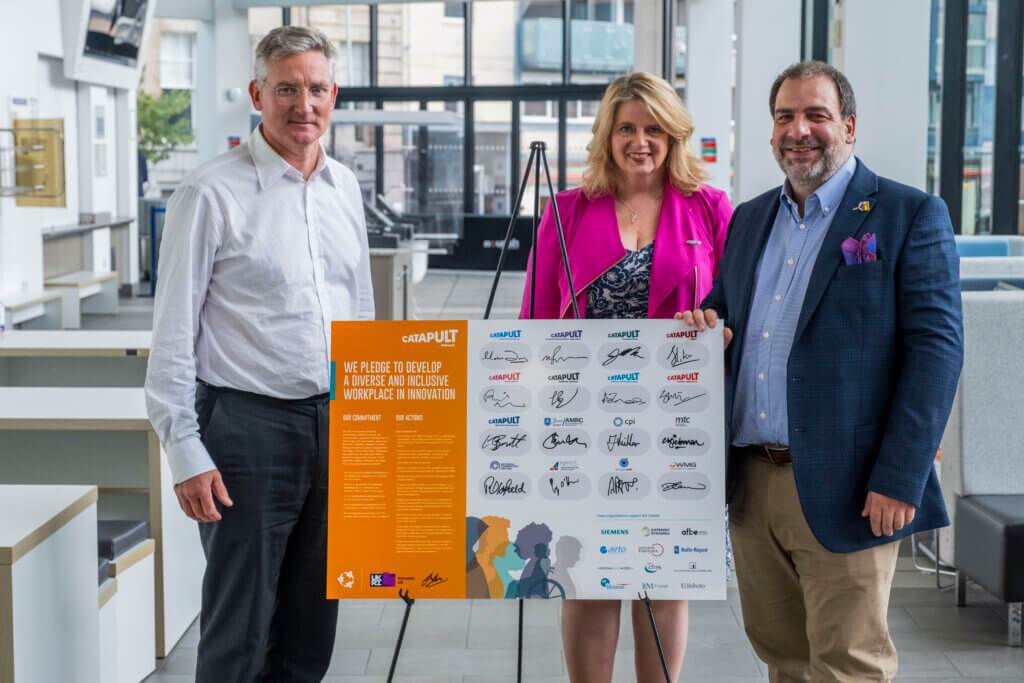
(841, 289)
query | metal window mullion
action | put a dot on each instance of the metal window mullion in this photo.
(515, 143)
(668, 40)
(953, 109)
(1006, 140)
(563, 142)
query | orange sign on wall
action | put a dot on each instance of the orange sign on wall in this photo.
(397, 472)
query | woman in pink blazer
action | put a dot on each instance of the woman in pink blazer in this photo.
(644, 237)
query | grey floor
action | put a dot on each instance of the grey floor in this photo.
(474, 641)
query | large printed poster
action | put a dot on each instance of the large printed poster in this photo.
(533, 459)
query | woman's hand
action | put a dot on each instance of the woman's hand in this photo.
(702, 320)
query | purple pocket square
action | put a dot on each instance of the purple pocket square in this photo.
(864, 250)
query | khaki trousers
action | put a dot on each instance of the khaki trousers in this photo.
(811, 614)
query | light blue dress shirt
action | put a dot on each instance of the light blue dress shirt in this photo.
(760, 413)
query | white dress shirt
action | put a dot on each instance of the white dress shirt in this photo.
(255, 264)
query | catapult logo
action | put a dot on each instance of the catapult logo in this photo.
(563, 335)
(382, 580)
(504, 377)
(503, 466)
(507, 334)
(565, 378)
(682, 334)
(685, 377)
(624, 334)
(613, 550)
(615, 532)
(610, 585)
(510, 421)
(563, 421)
(442, 337)
(624, 378)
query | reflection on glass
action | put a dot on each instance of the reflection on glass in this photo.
(979, 128)
(935, 44)
(353, 144)
(493, 184)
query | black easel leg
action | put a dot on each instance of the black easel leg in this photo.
(657, 637)
(519, 659)
(561, 237)
(401, 634)
(508, 234)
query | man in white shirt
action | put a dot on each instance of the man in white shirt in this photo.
(262, 248)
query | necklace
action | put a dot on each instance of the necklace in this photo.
(632, 214)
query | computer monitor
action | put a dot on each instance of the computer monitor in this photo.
(103, 40)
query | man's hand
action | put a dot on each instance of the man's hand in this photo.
(195, 496)
(701, 319)
(887, 514)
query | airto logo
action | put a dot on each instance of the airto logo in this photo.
(684, 334)
(507, 334)
(625, 334)
(624, 377)
(504, 377)
(685, 377)
(612, 549)
(510, 421)
(566, 334)
(442, 337)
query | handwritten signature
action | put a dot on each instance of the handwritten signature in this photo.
(559, 398)
(611, 397)
(433, 579)
(618, 486)
(621, 440)
(553, 441)
(507, 356)
(495, 442)
(677, 398)
(556, 357)
(563, 483)
(677, 357)
(675, 443)
(678, 485)
(624, 352)
(503, 401)
(508, 487)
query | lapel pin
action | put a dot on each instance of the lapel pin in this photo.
(693, 242)
(863, 207)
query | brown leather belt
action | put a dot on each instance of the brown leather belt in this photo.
(776, 455)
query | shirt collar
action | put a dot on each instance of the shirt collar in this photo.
(271, 167)
(831, 191)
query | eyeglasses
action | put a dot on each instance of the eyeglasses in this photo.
(317, 93)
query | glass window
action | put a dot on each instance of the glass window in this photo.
(1020, 201)
(351, 141)
(934, 96)
(612, 37)
(579, 134)
(494, 187)
(517, 41)
(261, 21)
(680, 48)
(544, 129)
(979, 124)
(418, 44)
(455, 10)
(177, 60)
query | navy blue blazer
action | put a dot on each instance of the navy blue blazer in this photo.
(875, 360)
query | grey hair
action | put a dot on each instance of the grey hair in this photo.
(813, 69)
(286, 41)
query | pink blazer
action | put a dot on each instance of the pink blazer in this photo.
(687, 248)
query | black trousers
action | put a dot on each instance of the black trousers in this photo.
(264, 613)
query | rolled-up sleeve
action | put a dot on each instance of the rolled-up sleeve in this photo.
(192, 231)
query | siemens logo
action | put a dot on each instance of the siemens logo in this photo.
(625, 334)
(624, 377)
(507, 334)
(442, 337)
(615, 532)
(511, 421)
(566, 334)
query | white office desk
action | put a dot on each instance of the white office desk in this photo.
(101, 436)
(49, 615)
(72, 358)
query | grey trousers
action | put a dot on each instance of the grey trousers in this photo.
(264, 614)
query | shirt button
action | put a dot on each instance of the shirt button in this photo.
(790, 261)
(763, 415)
(803, 227)
(778, 297)
(760, 376)
(766, 335)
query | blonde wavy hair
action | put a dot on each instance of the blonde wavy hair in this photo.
(685, 170)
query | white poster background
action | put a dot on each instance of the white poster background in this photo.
(601, 443)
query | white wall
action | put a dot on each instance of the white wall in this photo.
(768, 40)
(887, 64)
(709, 81)
(224, 59)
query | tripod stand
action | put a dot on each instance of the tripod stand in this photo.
(538, 156)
